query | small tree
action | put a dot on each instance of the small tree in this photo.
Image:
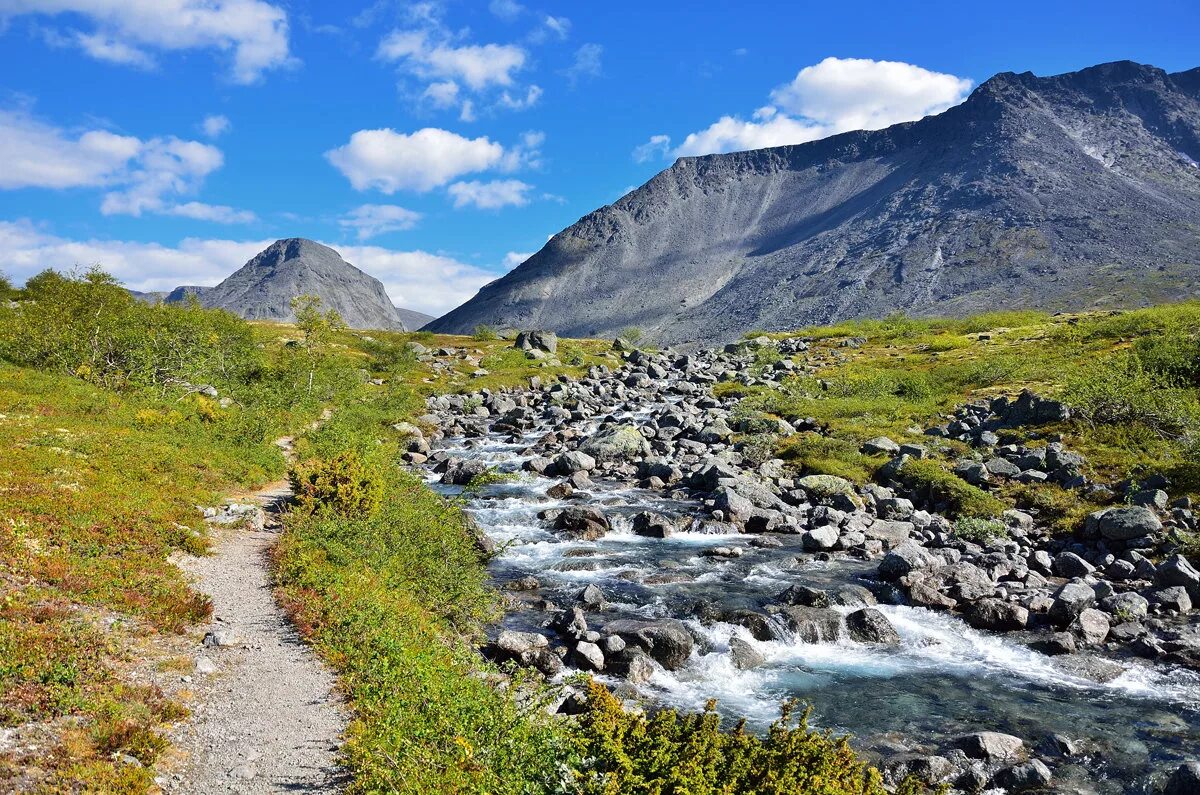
(631, 336)
(318, 328)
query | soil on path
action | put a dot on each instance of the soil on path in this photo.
(266, 717)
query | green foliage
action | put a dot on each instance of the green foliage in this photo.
(630, 336)
(342, 485)
(942, 486)
(627, 752)
(390, 599)
(89, 326)
(1119, 389)
(815, 454)
(1062, 510)
(7, 291)
(971, 528)
(484, 332)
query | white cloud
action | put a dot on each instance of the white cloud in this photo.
(389, 161)
(490, 195)
(476, 65)
(141, 175)
(559, 26)
(38, 155)
(418, 280)
(218, 213)
(126, 31)
(165, 167)
(833, 96)
(586, 63)
(443, 94)
(532, 95)
(369, 220)
(506, 9)
(514, 258)
(656, 147)
(216, 125)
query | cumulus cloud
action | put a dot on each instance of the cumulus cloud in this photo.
(369, 220)
(514, 258)
(389, 161)
(426, 282)
(830, 97)
(141, 175)
(476, 65)
(559, 26)
(656, 147)
(506, 9)
(128, 32)
(216, 125)
(490, 195)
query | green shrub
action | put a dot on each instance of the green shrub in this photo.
(942, 486)
(484, 332)
(342, 485)
(630, 336)
(971, 528)
(1119, 390)
(673, 752)
(814, 454)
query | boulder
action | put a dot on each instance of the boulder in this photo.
(1093, 625)
(871, 626)
(666, 640)
(814, 624)
(820, 538)
(588, 656)
(574, 461)
(618, 442)
(804, 596)
(652, 525)
(1030, 775)
(1185, 780)
(1176, 570)
(582, 522)
(880, 445)
(461, 471)
(1071, 600)
(991, 746)
(1129, 521)
(1127, 606)
(996, 615)
(1070, 565)
(829, 489)
(537, 340)
(743, 655)
(1174, 599)
(903, 559)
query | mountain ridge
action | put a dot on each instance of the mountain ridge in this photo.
(1035, 191)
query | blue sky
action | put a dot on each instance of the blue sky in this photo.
(437, 143)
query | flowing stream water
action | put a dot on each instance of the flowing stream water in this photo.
(944, 680)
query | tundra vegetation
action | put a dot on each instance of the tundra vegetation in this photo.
(118, 417)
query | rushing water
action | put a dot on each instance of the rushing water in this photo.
(944, 680)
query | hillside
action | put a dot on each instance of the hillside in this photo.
(264, 287)
(1067, 192)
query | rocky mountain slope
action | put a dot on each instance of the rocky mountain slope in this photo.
(1079, 190)
(264, 287)
(412, 319)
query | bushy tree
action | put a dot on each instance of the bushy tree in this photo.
(318, 328)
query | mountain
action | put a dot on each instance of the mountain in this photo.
(412, 319)
(264, 287)
(1074, 191)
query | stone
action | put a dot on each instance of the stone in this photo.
(223, 638)
(1070, 565)
(1174, 599)
(1150, 498)
(871, 626)
(1128, 522)
(652, 525)
(823, 489)
(1093, 625)
(537, 340)
(804, 596)
(997, 615)
(668, 641)
(1023, 777)
(517, 644)
(814, 624)
(574, 461)
(205, 666)
(461, 471)
(733, 504)
(991, 746)
(1185, 780)
(591, 596)
(1071, 600)
(1002, 468)
(582, 522)
(1128, 606)
(244, 772)
(904, 558)
(588, 656)
(618, 442)
(820, 538)
(743, 655)
(1176, 570)
(880, 445)
(894, 508)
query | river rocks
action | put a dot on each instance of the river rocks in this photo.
(1173, 600)
(830, 490)
(621, 441)
(743, 655)
(804, 596)
(1176, 570)
(1071, 600)
(1185, 780)
(1128, 606)
(652, 525)
(820, 538)
(584, 523)
(461, 471)
(588, 656)
(1128, 522)
(991, 746)
(871, 626)
(1024, 777)
(632, 663)
(905, 558)
(732, 504)
(666, 640)
(574, 461)
(813, 624)
(1093, 625)
(997, 615)
(1070, 565)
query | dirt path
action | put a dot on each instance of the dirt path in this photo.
(266, 717)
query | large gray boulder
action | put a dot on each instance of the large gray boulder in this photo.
(992, 746)
(1070, 601)
(871, 626)
(903, 559)
(666, 640)
(617, 442)
(1129, 521)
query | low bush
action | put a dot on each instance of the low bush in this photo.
(1119, 389)
(484, 332)
(980, 530)
(668, 751)
(814, 454)
(942, 486)
(343, 485)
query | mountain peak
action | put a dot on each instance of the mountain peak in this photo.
(264, 287)
(1058, 192)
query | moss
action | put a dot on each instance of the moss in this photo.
(942, 486)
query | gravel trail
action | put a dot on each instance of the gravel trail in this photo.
(268, 718)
